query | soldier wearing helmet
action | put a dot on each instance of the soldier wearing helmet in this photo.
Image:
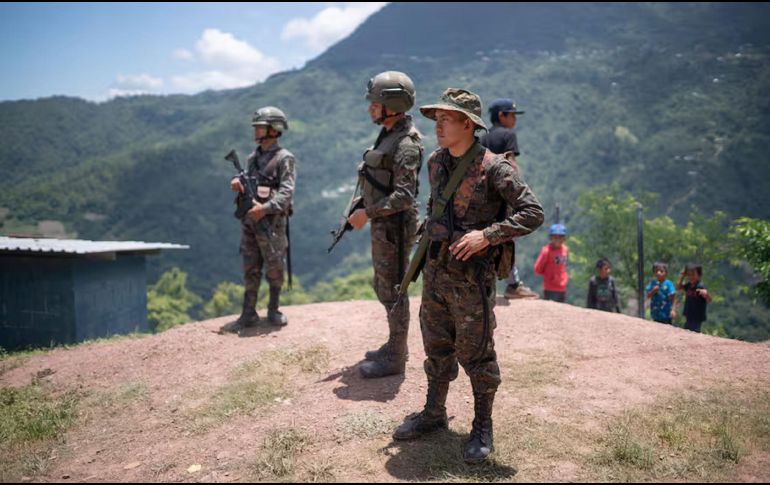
(388, 176)
(264, 240)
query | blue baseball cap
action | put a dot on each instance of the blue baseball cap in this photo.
(504, 105)
(557, 230)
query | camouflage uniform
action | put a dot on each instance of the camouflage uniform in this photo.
(456, 315)
(264, 242)
(452, 311)
(393, 219)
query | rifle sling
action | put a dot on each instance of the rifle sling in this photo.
(438, 210)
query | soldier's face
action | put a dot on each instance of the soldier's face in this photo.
(260, 131)
(375, 111)
(452, 128)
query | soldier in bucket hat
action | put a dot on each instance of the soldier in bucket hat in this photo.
(490, 206)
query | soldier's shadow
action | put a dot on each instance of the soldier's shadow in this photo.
(262, 328)
(355, 388)
(438, 457)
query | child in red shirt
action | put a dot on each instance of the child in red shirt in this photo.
(552, 264)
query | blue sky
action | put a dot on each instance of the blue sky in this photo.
(97, 51)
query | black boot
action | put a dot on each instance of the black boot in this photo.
(275, 317)
(249, 316)
(376, 354)
(432, 418)
(479, 444)
(392, 356)
(391, 362)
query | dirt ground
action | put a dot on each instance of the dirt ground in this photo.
(566, 368)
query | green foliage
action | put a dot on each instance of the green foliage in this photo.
(169, 301)
(751, 239)
(226, 300)
(355, 286)
(608, 227)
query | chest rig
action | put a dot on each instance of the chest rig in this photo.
(376, 169)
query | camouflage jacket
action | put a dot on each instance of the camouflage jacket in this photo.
(491, 197)
(281, 178)
(394, 163)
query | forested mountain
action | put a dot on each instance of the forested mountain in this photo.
(665, 98)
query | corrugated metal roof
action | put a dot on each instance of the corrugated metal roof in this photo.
(79, 246)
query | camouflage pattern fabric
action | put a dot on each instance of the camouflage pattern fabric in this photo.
(451, 315)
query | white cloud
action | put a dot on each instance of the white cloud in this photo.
(139, 81)
(329, 25)
(133, 85)
(225, 63)
(222, 48)
(183, 55)
(232, 63)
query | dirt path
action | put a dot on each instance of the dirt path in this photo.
(562, 366)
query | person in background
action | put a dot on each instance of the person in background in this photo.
(552, 265)
(602, 293)
(501, 138)
(697, 296)
(662, 295)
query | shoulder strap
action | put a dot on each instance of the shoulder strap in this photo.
(271, 169)
(454, 181)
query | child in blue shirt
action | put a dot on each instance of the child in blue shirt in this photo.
(662, 295)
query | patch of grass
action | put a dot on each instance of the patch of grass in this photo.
(259, 384)
(687, 438)
(313, 360)
(31, 420)
(319, 471)
(278, 459)
(626, 448)
(114, 401)
(366, 424)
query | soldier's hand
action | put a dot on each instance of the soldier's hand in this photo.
(358, 219)
(257, 212)
(468, 245)
(236, 185)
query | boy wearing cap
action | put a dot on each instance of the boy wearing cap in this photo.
(502, 139)
(490, 206)
(552, 265)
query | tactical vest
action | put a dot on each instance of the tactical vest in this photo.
(267, 181)
(376, 169)
(448, 229)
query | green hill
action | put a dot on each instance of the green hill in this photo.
(668, 98)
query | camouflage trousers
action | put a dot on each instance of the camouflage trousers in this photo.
(452, 323)
(263, 246)
(385, 232)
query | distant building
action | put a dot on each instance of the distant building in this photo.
(57, 291)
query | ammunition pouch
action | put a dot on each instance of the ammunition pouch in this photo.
(505, 259)
(378, 178)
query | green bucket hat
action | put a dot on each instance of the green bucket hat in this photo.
(454, 99)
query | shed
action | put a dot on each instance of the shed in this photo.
(64, 291)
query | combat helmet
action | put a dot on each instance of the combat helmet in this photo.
(272, 117)
(392, 89)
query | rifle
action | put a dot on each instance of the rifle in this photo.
(356, 202)
(245, 201)
(418, 260)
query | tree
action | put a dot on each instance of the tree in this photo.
(751, 240)
(169, 301)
